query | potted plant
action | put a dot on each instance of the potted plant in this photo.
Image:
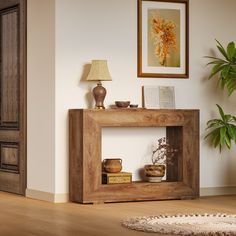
(222, 131)
(162, 154)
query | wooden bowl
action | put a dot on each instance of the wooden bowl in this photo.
(113, 165)
(154, 170)
(122, 104)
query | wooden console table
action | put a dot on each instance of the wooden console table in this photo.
(85, 125)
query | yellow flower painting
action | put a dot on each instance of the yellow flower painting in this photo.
(163, 38)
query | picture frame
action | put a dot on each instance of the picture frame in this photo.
(163, 38)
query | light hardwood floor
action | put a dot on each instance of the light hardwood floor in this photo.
(22, 216)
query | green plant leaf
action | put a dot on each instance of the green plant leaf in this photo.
(222, 50)
(215, 70)
(227, 141)
(223, 82)
(216, 141)
(228, 117)
(213, 133)
(217, 62)
(233, 73)
(215, 122)
(234, 57)
(222, 114)
(231, 50)
(216, 58)
(225, 67)
(214, 136)
(232, 132)
(222, 135)
(233, 127)
(225, 71)
(231, 86)
(223, 131)
(214, 125)
(232, 69)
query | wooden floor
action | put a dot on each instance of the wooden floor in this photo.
(22, 216)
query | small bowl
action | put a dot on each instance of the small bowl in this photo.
(155, 170)
(133, 105)
(122, 104)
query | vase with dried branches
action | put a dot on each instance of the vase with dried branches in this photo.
(162, 154)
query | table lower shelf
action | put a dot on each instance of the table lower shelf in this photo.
(138, 191)
(144, 183)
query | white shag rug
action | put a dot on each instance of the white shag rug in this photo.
(194, 224)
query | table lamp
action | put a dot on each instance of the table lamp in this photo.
(99, 72)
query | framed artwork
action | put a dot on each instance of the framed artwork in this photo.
(163, 38)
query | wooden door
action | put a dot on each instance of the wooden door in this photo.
(13, 96)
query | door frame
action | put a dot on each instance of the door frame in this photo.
(23, 92)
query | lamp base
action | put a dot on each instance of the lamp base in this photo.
(99, 94)
(99, 108)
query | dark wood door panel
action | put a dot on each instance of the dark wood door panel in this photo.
(8, 3)
(10, 182)
(9, 89)
(10, 135)
(9, 157)
(13, 96)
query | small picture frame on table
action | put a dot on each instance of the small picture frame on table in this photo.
(158, 97)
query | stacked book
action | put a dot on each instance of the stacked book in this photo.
(116, 178)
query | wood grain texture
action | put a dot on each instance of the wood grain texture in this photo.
(10, 157)
(27, 217)
(13, 94)
(23, 96)
(175, 168)
(10, 68)
(85, 154)
(76, 151)
(4, 4)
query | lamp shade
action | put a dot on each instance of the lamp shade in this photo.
(99, 71)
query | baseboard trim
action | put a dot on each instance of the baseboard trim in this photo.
(216, 191)
(64, 197)
(45, 196)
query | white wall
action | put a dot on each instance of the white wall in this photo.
(41, 95)
(205, 26)
(107, 29)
